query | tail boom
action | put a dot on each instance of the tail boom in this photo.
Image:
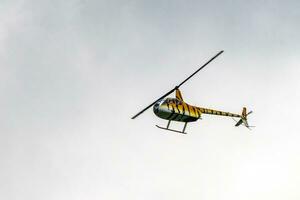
(217, 112)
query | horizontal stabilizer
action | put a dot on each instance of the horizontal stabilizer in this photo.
(239, 122)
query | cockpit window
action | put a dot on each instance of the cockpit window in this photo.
(169, 101)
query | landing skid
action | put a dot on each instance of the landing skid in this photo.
(167, 128)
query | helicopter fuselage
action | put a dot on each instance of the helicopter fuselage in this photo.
(176, 110)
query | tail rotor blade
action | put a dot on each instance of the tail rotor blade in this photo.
(249, 112)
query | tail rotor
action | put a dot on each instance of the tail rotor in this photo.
(243, 121)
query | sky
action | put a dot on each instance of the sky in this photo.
(73, 73)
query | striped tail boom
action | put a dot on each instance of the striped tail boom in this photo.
(217, 112)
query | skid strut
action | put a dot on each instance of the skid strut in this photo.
(167, 128)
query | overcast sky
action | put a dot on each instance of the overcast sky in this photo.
(73, 73)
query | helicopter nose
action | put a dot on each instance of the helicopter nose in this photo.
(156, 107)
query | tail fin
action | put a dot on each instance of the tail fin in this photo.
(243, 119)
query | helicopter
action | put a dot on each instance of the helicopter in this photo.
(176, 109)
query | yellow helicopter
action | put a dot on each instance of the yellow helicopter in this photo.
(175, 109)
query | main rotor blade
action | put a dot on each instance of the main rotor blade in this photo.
(154, 103)
(200, 68)
(177, 85)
